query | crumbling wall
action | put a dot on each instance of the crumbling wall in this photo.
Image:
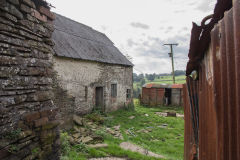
(65, 103)
(80, 79)
(28, 125)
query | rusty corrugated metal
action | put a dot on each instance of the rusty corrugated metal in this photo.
(236, 24)
(152, 96)
(200, 35)
(177, 86)
(155, 95)
(188, 132)
(231, 83)
(218, 93)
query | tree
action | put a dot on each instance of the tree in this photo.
(179, 72)
(151, 77)
(142, 82)
(136, 77)
(141, 76)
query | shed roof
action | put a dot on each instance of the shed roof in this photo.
(154, 85)
(163, 85)
(78, 41)
(177, 86)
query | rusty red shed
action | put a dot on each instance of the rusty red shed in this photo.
(161, 94)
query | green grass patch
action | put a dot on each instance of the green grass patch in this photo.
(168, 141)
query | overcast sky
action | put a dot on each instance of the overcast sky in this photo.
(139, 28)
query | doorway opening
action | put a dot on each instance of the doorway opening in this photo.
(99, 99)
(168, 93)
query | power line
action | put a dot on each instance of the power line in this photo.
(138, 70)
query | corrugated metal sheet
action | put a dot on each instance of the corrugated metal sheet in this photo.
(155, 85)
(218, 93)
(177, 86)
(176, 97)
(152, 96)
(163, 85)
(189, 147)
(78, 41)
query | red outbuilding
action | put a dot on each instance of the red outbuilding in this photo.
(161, 94)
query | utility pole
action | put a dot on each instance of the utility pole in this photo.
(171, 55)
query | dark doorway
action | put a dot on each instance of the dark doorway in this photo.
(99, 98)
(168, 93)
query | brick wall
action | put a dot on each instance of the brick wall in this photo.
(28, 125)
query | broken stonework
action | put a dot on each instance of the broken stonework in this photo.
(28, 124)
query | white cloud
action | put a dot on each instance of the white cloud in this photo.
(139, 25)
(157, 22)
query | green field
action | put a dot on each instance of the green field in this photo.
(169, 80)
(146, 130)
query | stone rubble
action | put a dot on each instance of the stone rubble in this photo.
(168, 114)
(131, 117)
(84, 131)
(99, 145)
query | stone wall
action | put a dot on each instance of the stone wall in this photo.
(28, 125)
(65, 103)
(78, 77)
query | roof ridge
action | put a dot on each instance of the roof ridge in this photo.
(73, 34)
(75, 40)
(86, 26)
(73, 20)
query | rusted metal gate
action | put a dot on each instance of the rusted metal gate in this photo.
(217, 88)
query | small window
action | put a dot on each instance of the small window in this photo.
(86, 93)
(114, 90)
(128, 93)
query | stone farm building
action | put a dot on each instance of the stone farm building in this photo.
(90, 68)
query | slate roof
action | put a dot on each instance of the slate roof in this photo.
(78, 41)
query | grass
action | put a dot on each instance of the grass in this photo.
(168, 80)
(164, 141)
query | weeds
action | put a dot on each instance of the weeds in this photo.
(65, 144)
(13, 135)
(13, 148)
(129, 107)
(95, 117)
(81, 147)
